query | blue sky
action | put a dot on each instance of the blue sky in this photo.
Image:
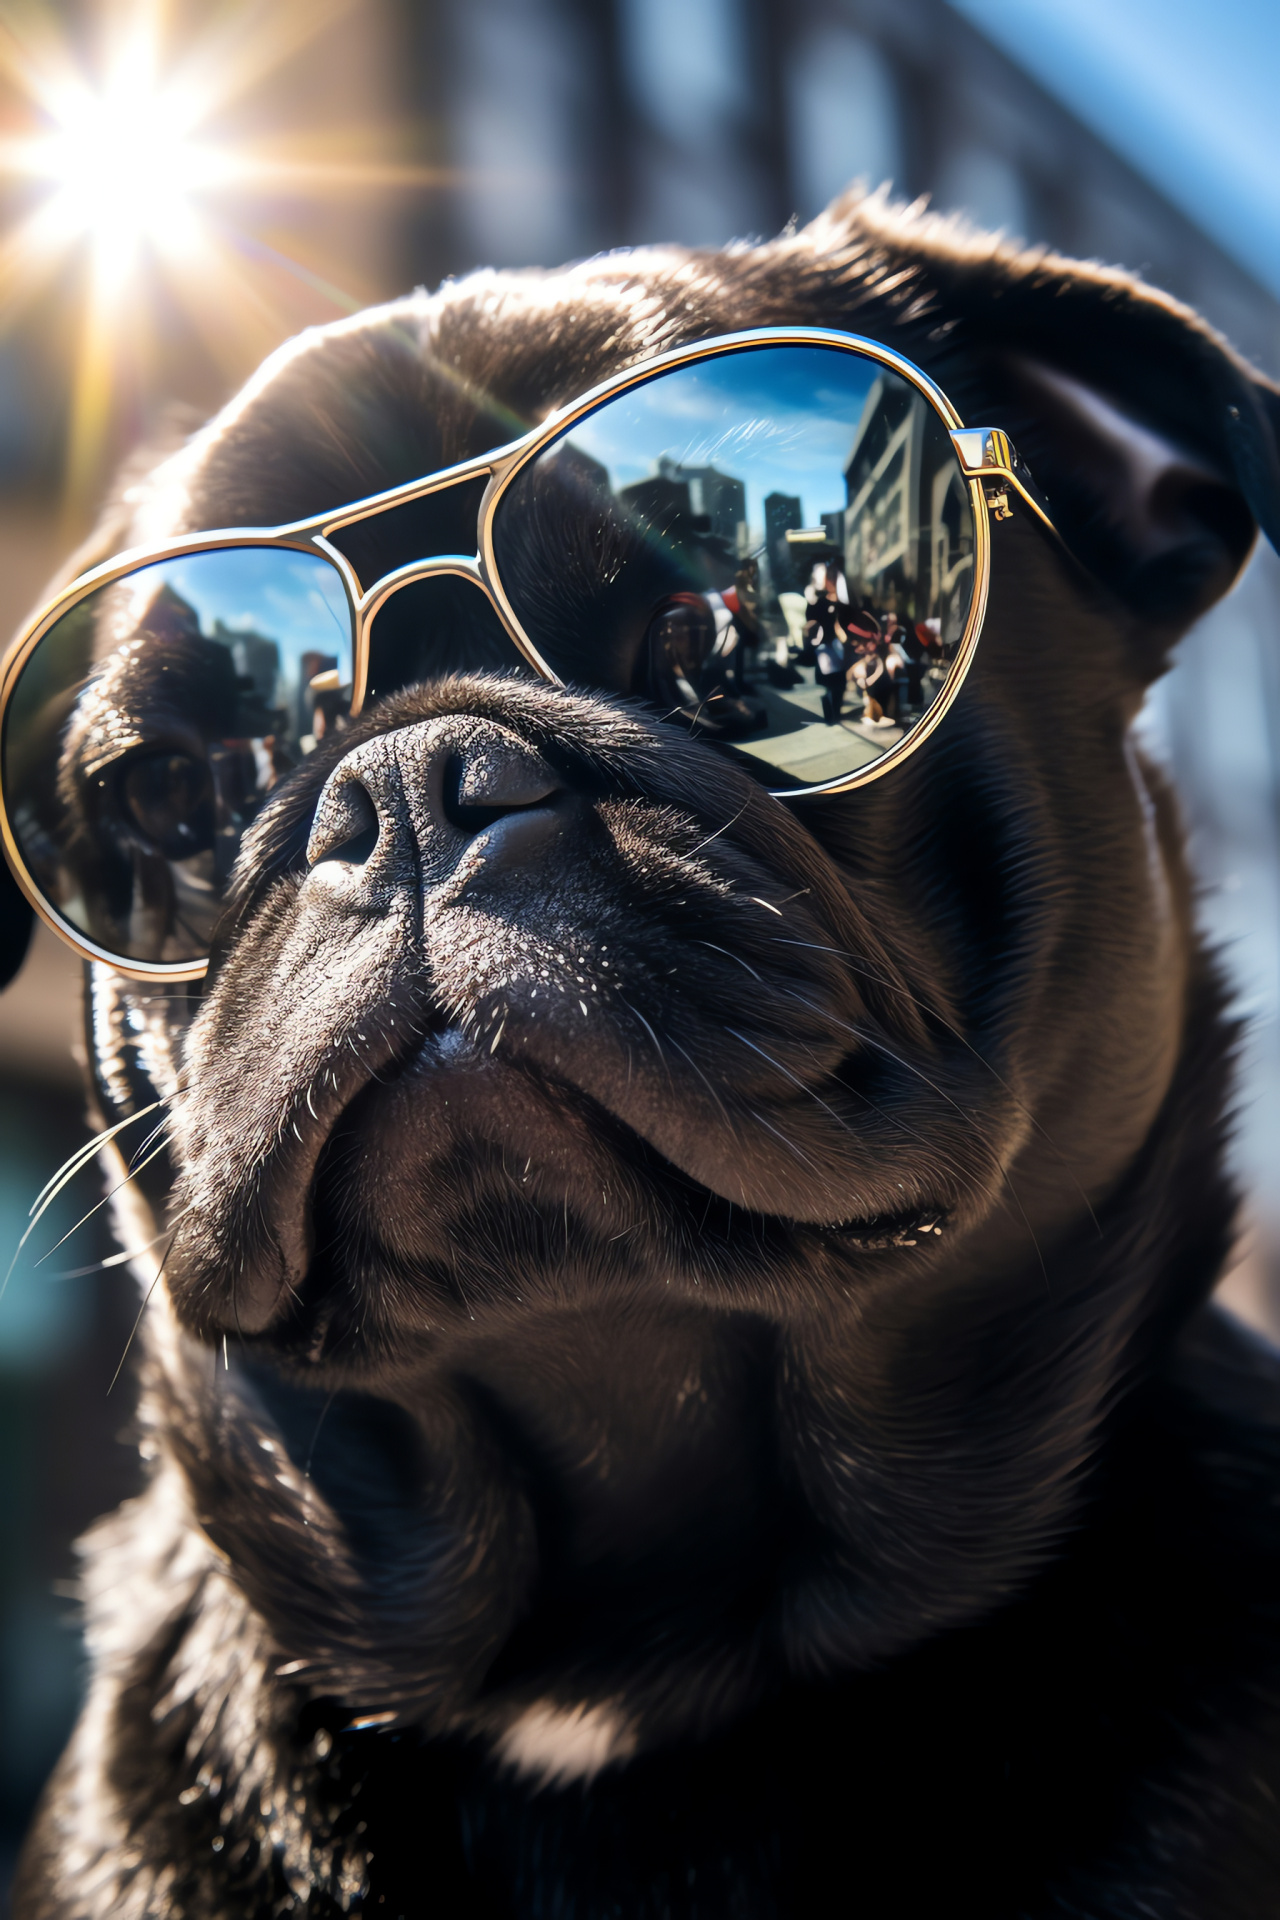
(778, 422)
(1188, 92)
(295, 599)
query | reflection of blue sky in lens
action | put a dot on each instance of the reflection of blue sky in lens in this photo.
(295, 599)
(782, 420)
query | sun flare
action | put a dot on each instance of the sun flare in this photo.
(128, 174)
(125, 168)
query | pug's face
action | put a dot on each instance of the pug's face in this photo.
(646, 1230)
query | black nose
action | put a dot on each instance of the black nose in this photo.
(438, 792)
(494, 776)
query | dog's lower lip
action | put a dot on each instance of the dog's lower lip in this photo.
(444, 1044)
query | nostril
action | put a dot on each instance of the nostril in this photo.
(483, 786)
(346, 826)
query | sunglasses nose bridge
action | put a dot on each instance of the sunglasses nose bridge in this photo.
(461, 566)
(411, 627)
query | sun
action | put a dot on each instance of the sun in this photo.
(125, 168)
(127, 173)
(121, 158)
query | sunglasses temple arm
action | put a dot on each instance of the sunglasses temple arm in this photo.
(987, 454)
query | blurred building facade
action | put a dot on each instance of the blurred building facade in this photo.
(552, 129)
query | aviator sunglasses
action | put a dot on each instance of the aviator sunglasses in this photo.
(779, 539)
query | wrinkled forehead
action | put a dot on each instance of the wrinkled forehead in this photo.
(423, 384)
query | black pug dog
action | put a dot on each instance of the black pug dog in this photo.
(763, 1449)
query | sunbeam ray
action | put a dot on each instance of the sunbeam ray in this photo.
(152, 191)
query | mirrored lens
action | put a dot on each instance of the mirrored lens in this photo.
(150, 723)
(775, 546)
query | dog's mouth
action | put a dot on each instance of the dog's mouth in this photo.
(448, 1165)
(504, 1270)
(473, 1168)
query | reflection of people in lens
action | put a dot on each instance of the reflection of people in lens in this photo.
(862, 627)
(729, 650)
(932, 664)
(896, 664)
(325, 700)
(745, 598)
(328, 712)
(871, 672)
(827, 573)
(694, 666)
(826, 633)
(914, 643)
(829, 567)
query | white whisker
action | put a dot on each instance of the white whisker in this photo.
(133, 1172)
(788, 1075)
(83, 1153)
(729, 956)
(657, 1044)
(138, 1321)
(120, 1259)
(719, 830)
(66, 1173)
(791, 1146)
(729, 1126)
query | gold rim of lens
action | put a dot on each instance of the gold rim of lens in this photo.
(137, 561)
(508, 468)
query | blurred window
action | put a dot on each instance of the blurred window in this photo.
(987, 187)
(844, 117)
(1215, 724)
(687, 70)
(522, 119)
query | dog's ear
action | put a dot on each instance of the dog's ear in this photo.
(1157, 445)
(1164, 521)
(16, 919)
(1155, 442)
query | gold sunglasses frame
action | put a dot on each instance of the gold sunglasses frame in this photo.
(985, 454)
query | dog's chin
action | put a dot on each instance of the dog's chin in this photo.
(568, 1360)
(574, 1540)
(557, 1215)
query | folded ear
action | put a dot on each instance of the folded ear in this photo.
(1156, 443)
(16, 918)
(1163, 525)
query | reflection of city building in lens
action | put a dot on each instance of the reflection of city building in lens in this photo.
(717, 497)
(781, 510)
(257, 658)
(908, 523)
(663, 502)
(591, 475)
(165, 616)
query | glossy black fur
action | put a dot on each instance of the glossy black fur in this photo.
(585, 1480)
